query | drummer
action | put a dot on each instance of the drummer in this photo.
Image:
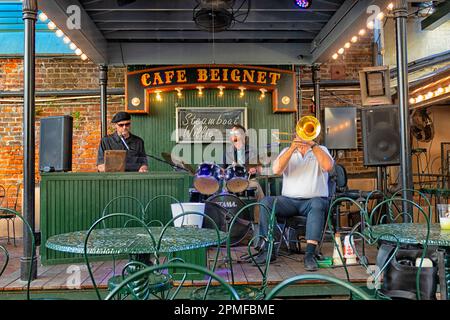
(240, 152)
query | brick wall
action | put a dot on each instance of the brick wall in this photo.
(353, 60)
(72, 73)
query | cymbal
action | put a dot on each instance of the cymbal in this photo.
(174, 161)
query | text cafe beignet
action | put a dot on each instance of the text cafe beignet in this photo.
(140, 83)
(203, 75)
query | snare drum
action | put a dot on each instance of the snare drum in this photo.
(236, 178)
(207, 178)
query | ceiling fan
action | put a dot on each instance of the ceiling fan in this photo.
(422, 126)
(219, 15)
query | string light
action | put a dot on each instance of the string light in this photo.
(380, 16)
(390, 6)
(347, 45)
(200, 91)
(179, 94)
(354, 39)
(419, 98)
(51, 25)
(59, 33)
(66, 40)
(242, 92)
(84, 57)
(335, 56)
(43, 17)
(362, 32)
(439, 91)
(220, 90)
(263, 93)
(429, 95)
(158, 95)
(78, 52)
(412, 100)
(370, 24)
(341, 51)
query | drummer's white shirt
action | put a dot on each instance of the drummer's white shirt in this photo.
(303, 176)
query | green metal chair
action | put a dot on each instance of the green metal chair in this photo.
(302, 277)
(33, 247)
(9, 199)
(6, 259)
(246, 292)
(156, 282)
(140, 206)
(393, 217)
(142, 274)
(152, 201)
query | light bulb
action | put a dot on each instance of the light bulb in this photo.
(380, 16)
(43, 17)
(78, 52)
(200, 91)
(59, 33)
(220, 90)
(341, 51)
(429, 95)
(84, 57)
(347, 45)
(179, 94)
(362, 32)
(419, 98)
(51, 25)
(354, 39)
(158, 96)
(241, 94)
(335, 56)
(263, 93)
(412, 100)
(370, 24)
(66, 40)
(390, 6)
(73, 46)
(439, 91)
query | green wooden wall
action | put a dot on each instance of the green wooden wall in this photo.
(74, 201)
(156, 127)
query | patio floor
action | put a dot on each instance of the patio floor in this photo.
(75, 276)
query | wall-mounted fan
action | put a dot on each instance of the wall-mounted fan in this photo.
(422, 126)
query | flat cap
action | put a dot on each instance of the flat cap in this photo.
(121, 116)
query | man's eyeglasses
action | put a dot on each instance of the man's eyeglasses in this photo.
(124, 124)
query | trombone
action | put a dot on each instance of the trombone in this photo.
(307, 128)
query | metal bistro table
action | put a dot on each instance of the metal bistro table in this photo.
(134, 241)
(414, 233)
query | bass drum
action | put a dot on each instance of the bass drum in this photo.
(222, 208)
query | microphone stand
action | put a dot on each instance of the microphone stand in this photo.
(174, 166)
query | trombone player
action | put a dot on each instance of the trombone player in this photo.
(305, 166)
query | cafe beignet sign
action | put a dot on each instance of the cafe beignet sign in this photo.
(140, 84)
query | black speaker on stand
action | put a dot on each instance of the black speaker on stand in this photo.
(55, 149)
(381, 135)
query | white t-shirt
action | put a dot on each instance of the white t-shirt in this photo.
(303, 176)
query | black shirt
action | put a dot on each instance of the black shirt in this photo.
(136, 156)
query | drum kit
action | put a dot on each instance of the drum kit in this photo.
(224, 191)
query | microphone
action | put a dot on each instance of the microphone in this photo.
(123, 141)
